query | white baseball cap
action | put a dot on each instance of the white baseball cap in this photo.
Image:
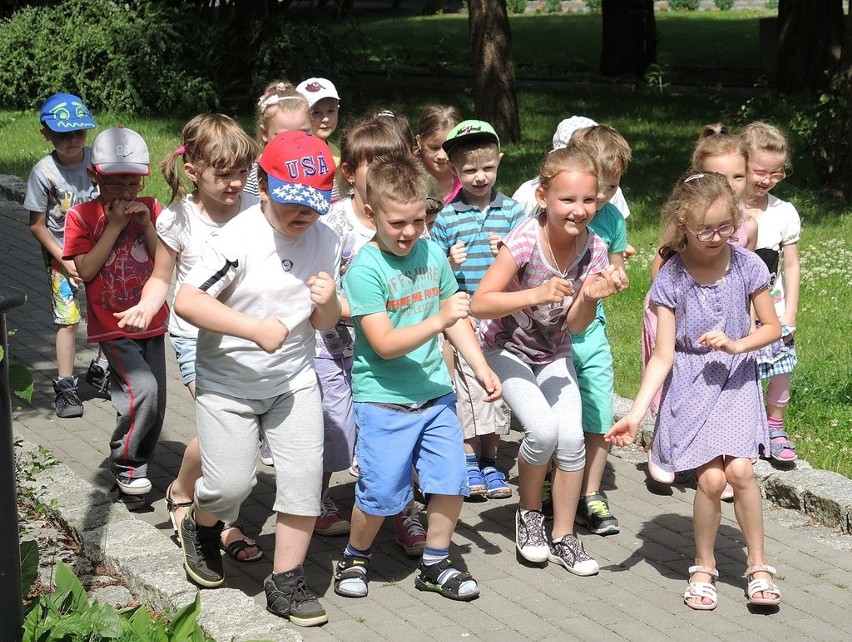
(120, 151)
(567, 128)
(315, 89)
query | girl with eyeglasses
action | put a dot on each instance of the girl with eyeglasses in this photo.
(711, 416)
(779, 229)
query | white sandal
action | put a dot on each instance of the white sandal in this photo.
(696, 591)
(762, 585)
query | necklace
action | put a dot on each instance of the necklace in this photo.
(553, 256)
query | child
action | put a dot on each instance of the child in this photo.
(468, 230)
(525, 194)
(362, 142)
(435, 124)
(711, 417)
(590, 350)
(324, 103)
(257, 294)
(543, 286)
(112, 241)
(216, 154)
(717, 150)
(279, 109)
(779, 229)
(402, 295)
(56, 183)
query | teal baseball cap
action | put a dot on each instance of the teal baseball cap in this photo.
(469, 131)
(66, 113)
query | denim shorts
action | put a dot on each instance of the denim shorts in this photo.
(391, 441)
(185, 351)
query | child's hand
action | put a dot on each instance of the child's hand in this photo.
(611, 281)
(494, 242)
(73, 275)
(454, 308)
(458, 255)
(270, 334)
(322, 288)
(553, 291)
(628, 252)
(718, 340)
(139, 212)
(623, 433)
(490, 384)
(116, 214)
(135, 319)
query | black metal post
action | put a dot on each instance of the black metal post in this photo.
(11, 599)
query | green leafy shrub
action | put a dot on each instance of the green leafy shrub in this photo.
(724, 5)
(516, 6)
(594, 5)
(685, 5)
(150, 57)
(553, 6)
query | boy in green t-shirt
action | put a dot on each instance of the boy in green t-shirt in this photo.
(402, 295)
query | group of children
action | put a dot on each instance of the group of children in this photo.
(400, 338)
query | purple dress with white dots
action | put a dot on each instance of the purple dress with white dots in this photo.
(712, 402)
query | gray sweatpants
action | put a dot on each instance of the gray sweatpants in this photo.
(545, 399)
(138, 375)
(229, 435)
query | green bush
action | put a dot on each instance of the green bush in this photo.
(553, 6)
(146, 57)
(684, 5)
(516, 6)
(594, 5)
(724, 5)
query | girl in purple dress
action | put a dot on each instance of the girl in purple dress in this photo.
(711, 414)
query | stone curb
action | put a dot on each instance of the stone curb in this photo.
(150, 564)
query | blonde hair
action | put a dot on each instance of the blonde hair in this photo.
(716, 140)
(609, 148)
(763, 137)
(279, 95)
(572, 158)
(208, 140)
(397, 177)
(683, 212)
(437, 118)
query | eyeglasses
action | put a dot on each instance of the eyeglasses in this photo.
(708, 234)
(116, 186)
(772, 177)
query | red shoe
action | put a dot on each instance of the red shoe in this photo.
(330, 521)
(410, 534)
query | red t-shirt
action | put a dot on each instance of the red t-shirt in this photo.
(118, 284)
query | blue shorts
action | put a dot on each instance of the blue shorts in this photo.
(391, 441)
(592, 359)
(185, 352)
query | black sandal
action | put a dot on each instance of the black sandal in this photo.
(239, 545)
(427, 580)
(172, 506)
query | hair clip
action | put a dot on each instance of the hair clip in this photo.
(181, 150)
(387, 113)
(694, 177)
(266, 101)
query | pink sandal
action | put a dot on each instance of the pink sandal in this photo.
(762, 585)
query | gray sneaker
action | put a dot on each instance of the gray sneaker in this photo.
(67, 402)
(569, 551)
(287, 596)
(593, 513)
(202, 559)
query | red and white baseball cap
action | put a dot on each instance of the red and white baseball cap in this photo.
(315, 89)
(300, 170)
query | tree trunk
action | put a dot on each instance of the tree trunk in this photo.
(844, 179)
(495, 100)
(629, 35)
(810, 37)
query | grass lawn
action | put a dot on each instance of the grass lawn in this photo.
(661, 130)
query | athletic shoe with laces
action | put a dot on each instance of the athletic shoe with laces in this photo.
(569, 551)
(67, 402)
(530, 536)
(288, 597)
(132, 485)
(593, 513)
(265, 452)
(202, 558)
(410, 534)
(330, 521)
(98, 377)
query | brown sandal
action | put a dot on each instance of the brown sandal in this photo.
(238, 547)
(172, 506)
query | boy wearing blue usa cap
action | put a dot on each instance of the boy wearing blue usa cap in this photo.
(58, 182)
(265, 282)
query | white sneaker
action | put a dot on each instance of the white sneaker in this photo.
(133, 485)
(530, 536)
(265, 453)
(569, 552)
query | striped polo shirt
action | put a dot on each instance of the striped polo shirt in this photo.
(461, 221)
